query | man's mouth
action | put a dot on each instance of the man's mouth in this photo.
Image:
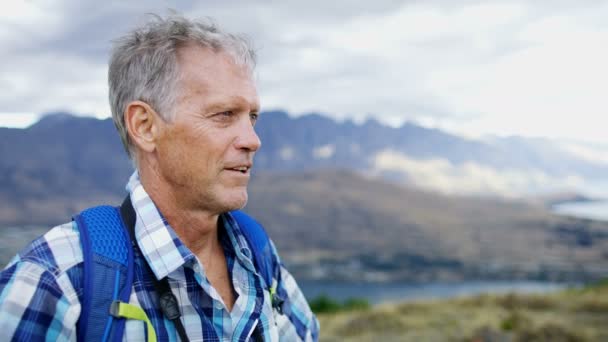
(241, 169)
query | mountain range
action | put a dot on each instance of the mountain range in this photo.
(412, 154)
(344, 200)
(428, 158)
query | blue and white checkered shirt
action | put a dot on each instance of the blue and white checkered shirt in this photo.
(41, 288)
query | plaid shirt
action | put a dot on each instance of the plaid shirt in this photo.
(41, 288)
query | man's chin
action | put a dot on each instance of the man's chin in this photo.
(236, 202)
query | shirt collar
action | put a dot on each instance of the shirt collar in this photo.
(158, 242)
(160, 245)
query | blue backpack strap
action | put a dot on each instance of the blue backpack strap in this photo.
(107, 272)
(258, 241)
(265, 261)
(268, 265)
(108, 268)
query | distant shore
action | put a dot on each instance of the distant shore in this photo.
(406, 292)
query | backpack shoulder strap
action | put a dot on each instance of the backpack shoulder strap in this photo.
(268, 265)
(259, 242)
(265, 261)
(107, 272)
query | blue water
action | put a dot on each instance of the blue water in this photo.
(387, 293)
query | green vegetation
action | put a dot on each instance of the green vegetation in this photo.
(570, 315)
(324, 304)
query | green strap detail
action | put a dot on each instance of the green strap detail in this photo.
(129, 311)
(273, 294)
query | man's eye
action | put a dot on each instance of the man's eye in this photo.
(224, 116)
(254, 117)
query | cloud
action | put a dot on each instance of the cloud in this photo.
(590, 152)
(469, 178)
(473, 67)
(553, 86)
(324, 152)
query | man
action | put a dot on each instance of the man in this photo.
(185, 104)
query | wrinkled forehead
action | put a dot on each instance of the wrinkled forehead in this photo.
(204, 71)
(197, 59)
(197, 50)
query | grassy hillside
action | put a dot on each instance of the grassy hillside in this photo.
(572, 315)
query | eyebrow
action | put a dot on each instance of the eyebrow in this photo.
(235, 102)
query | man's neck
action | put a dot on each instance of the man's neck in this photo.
(197, 229)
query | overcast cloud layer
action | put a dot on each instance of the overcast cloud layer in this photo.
(475, 67)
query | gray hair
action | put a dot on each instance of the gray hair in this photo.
(143, 63)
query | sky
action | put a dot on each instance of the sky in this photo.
(532, 68)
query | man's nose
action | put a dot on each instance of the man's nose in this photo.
(248, 139)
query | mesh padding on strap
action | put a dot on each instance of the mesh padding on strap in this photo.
(103, 221)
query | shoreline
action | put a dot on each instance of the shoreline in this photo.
(378, 294)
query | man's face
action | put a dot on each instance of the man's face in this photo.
(205, 153)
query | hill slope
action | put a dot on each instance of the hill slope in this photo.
(352, 227)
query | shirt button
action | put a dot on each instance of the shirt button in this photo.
(219, 305)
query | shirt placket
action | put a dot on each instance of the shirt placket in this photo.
(221, 318)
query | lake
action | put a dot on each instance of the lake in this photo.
(403, 292)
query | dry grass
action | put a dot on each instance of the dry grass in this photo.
(572, 315)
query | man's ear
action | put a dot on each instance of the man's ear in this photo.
(142, 124)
